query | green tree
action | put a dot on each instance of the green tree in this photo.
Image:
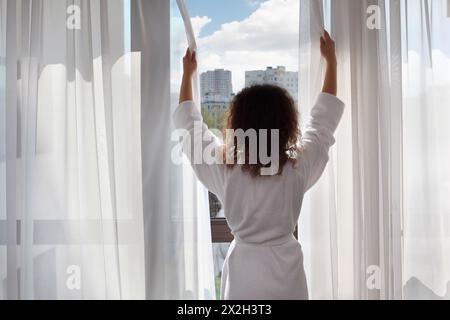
(221, 117)
(215, 119)
(208, 118)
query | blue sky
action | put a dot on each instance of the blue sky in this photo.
(127, 23)
(220, 12)
(238, 35)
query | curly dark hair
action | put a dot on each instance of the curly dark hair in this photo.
(264, 107)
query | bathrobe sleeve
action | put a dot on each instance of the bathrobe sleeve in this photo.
(318, 137)
(198, 139)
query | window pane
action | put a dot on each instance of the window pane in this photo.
(215, 207)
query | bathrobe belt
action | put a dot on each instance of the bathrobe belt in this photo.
(270, 243)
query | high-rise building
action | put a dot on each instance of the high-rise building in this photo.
(216, 93)
(277, 76)
(216, 86)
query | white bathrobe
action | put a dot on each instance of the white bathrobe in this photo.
(265, 261)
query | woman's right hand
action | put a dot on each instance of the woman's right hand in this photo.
(189, 63)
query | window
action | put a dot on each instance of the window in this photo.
(224, 59)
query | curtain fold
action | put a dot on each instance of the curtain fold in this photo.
(426, 150)
(317, 220)
(367, 92)
(71, 213)
(197, 221)
(176, 213)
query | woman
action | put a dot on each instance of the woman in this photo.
(264, 261)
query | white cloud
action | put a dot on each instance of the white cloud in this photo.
(268, 37)
(254, 3)
(198, 23)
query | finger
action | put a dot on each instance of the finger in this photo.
(326, 35)
(187, 53)
(322, 42)
(194, 56)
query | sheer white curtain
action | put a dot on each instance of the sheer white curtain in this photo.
(426, 149)
(91, 205)
(178, 246)
(376, 225)
(318, 218)
(197, 223)
(369, 85)
(70, 154)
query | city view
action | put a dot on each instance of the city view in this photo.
(216, 89)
